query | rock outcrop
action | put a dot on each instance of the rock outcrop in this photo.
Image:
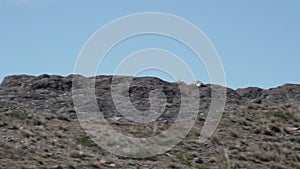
(51, 93)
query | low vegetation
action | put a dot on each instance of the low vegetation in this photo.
(244, 139)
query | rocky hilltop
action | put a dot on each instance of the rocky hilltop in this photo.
(39, 126)
(51, 93)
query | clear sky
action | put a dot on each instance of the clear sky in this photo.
(258, 41)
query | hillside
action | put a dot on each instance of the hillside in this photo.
(39, 128)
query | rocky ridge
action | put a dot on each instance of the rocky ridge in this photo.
(51, 93)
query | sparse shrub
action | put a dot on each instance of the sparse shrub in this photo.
(297, 148)
(274, 128)
(18, 115)
(281, 115)
(85, 141)
(266, 156)
(295, 139)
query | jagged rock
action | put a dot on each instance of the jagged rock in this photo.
(53, 93)
(250, 92)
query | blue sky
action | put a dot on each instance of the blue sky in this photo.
(258, 41)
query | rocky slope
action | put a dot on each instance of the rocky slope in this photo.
(39, 127)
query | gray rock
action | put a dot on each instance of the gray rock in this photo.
(53, 94)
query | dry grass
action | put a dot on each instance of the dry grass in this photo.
(260, 138)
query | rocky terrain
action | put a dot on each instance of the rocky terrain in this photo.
(39, 128)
